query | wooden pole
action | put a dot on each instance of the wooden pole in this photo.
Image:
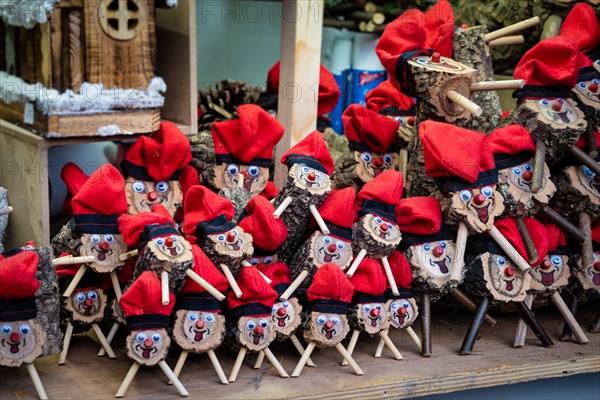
(217, 365)
(180, 363)
(464, 102)
(508, 248)
(471, 306)
(532, 253)
(69, 290)
(103, 341)
(509, 84)
(352, 344)
(584, 159)
(390, 345)
(591, 147)
(458, 263)
(294, 285)
(164, 280)
(538, 166)
(507, 30)
(379, 350)
(533, 323)
(566, 333)
(273, 360)
(234, 286)
(37, 382)
(109, 338)
(361, 254)
(319, 219)
(565, 225)
(587, 249)
(205, 285)
(403, 160)
(284, 204)
(300, 349)
(521, 332)
(128, 379)
(426, 325)
(68, 260)
(349, 360)
(129, 254)
(259, 360)
(66, 343)
(569, 318)
(176, 382)
(413, 335)
(238, 364)
(507, 41)
(469, 341)
(307, 352)
(116, 286)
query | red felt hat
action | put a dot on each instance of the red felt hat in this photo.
(402, 276)
(279, 274)
(142, 304)
(557, 241)
(18, 286)
(188, 178)
(329, 91)
(386, 96)
(311, 151)
(596, 233)
(257, 296)
(270, 191)
(439, 25)
(250, 139)
(139, 228)
(330, 290)
(268, 232)
(539, 234)
(581, 26)
(581, 141)
(369, 279)
(511, 145)
(368, 131)
(74, 178)
(419, 215)
(158, 157)
(381, 195)
(338, 211)
(206, 209)
(451, 152)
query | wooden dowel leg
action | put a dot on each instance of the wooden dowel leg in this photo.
(315, 213)
(562, 223)
(217, 365)
(464, 102)
(300, 349)
(275, 363)
(390, 277)
(569, 318)
(458, 262)
(205, 285)
(116, 286)
(584, 159)
(66, 343)
(471, 306)
(521, 332)
(307, 352)
(403, 160)
(390, 345)
(234, 286)
(379, 350)
(413, 335)
(352, 344)
(164, 280)
(70, 260)
(426, 325)
(37, 382)
(591, 147)
(294, 285)
(349, 360)
(69, 291)
(538, 166)
(507, 41)
(532, 253)
(507, 30)
(128, 379)
(566, 333)
(259, 360)
(469, 341)
(595, 327)
(533, 323)
(587, 248)
(238, 364)
(359, 257)
(103, 341)
(508, 248)
(498, 85)
(176, 382)
(180, 363)
(284, 204)
(109, 338)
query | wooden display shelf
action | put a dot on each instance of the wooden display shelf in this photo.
(494, 362)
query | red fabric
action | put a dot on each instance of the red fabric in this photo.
(270, 191)
(200, 205)
(385, 188)
(582, 27)
(253, 135)
(556, 237)
(188, 177)
(400, 270)
(551, 62)
(106, 183)
(267, 232)
(386, 95)
(17, 276)
(330, 283)
(508, 227)
(419, 215)
(329, 91)
(439, 25)
(254, 290)
(164, 153)
(132, 226)
(204, 267)
(312, 146)
(144, 296)
(581, 141)
(74, 178)
(369, 278)
(596, 233)
(511, 139)
(338, 207)
(376, 131)
(452, 151)
(278, 273)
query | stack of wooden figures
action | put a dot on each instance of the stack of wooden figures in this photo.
(439, 193)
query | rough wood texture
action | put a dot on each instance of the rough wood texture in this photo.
(239, 197)
(147, 261)
(519, 202)
(417, 182)
(479, 283)
(56, 43)
(4, 214)
(75, 74)
(138, 121)
(571, 198)
(363, 239)
(48, 302)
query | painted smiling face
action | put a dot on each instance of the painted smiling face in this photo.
(585, 181)
(370, 165)
(20, 342)
(326, 248)
(235, 243)
(142, 195)
(552, 273)
(228, 175)
(372, 317)
(148, 347)
(172, 248)
(87, 305)
(588, 92)
(313, 180)
(256, 333)
(327, 329)
(263, 261)
(561, 112)
(285, 316)
(403, 312)
(480, 206)
(433, 260)
(381, 230)
(503, 279)
(106, 248)
(589, 275)
(198, 331)
(519, 179)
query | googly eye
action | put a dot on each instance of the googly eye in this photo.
(192, 317)
(379, 307)
(321, 319)
(250, 325)
(421, 60)
(92, 295)
(24, 329)
(394, 306)
(487, 191)
(378, 220)
(268, 260)
(588, 172)
(426, 247)
(275, 308)
(367, 308)
(465, 195)
(305, 170)
(335, 319)
(366, 157)
(174, 238)
(162, 187)
(140, 337)
(233, 169)
(108, 238)
(95, 239)
(340, 245)
(596, 81)
(253, 170)
(254, 261)
(405, 304)
(387, 158)
(327, 240)
(561, 101)
(6, 329)
(582, 85)
(556, 260)
(285, 304)
(156, 338)
(139, 186)
(528, 167)
(159, 241)
(516, 171)
(501, 260)
(221, 238)
(401, 120)
(80, 297)
(264, 323)
(209, 317)
(597, 63)
(234, 231)
(442, 244)
(544, 102)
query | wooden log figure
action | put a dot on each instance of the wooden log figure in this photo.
(588, 268)
(162, 249)
(148, 320)
(338, 214)
(249, 326)
(402, 308)
(152, 167)
(199, 325)
(5, 211)
(373, 142)
(21, 334)
(326, 323)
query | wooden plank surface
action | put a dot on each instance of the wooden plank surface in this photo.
(137, 121)
(494, 362)
(75, 70)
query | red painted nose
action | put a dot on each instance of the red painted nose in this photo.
(88, 302)
(328, 325)
(200, 324)
(435, 57)
(402, 311)
(527, 175)
(311, 176)
(245, 174)
(331, 248)
(375, 312)
(464, 26)
(148, 342)
(556, 106)
(104, 246)
(510, 271)
(15, 337)
(478, 199)
(593, 87)
(438, 251)
(169, 242)
(377, 162)
(383, 227)
(230, 236)
(152, 196)
(258, 330)
(545, 264)
(411, 121)
(281, 312)
(597, 266)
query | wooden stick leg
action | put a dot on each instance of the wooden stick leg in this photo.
(403, 160)
(584, 159)
(164, 280)
(587, 247)
(413, 335)
(508, 248)
(566, 333)
(532, 253)
(498, 85)
(361, 254)
(37, 382)
(217, 365)
(569, 318)
(69, 291)
(351, 345)
(533, 323)
(426, 325)
(307, 352)
(300, 349)
(565, 225)
(348, 358)
(180, 363)
(275, 363)
(507, 30)
(507, 41)
(234, 286)
(538, 166)
(103, 341)
(379, 350)
(390, 277)
(595, 327)
(294, 285)
(176, 382)
(471, 306)
(259, 360)
(521, 332)
(315, 213)
(591, 147)
(464, 102)
(116, 286)
(284, 204)
(469, 341)
(128, 378)
(109, 338)
(390, 345)
(66, 344)
(458, 263)
(238, 364)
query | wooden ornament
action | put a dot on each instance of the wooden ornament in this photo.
(190, 337)
(551, 275)
(431, 264)
(21, 342)
(142, 195)
(106, 250)
(370, 318)
(286, 318)
(588, 275)
(252, 178)
(403, 312)
(229, 249)
(368, 234)
(496, 275)
(324, 334)
(86, 306)
(148, 347)
(477, 207)
(588, 100)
